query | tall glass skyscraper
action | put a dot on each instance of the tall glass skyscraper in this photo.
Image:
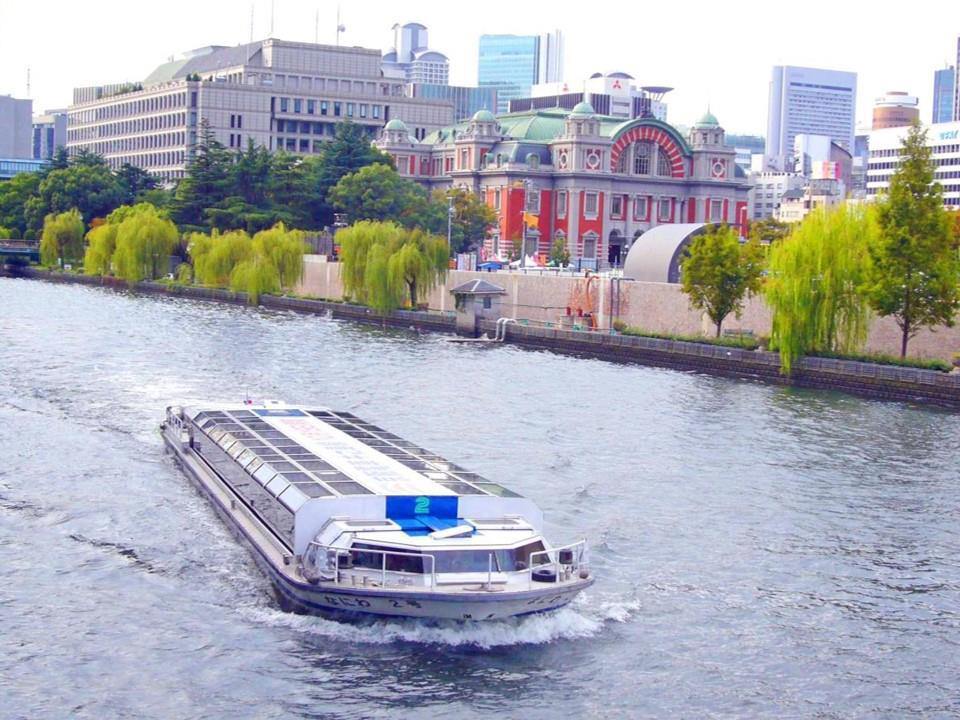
(943, 89)
(513, 63)
(809, 101)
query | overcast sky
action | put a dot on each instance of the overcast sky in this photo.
(716, 53)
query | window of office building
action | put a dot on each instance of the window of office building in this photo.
(311, 107)
(716, 210)
(297, 105)
(349, 109)
(665, 209)
(336, 109)
(562, 204)
(284, 104)
(642, 154)
(616, 206)
(590, 203)
(639, 208)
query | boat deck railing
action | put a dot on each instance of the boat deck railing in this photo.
(559, 569)
(578, 554)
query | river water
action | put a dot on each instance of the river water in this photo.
(760, 551)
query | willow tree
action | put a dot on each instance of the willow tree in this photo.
(62, 237)
(255, 276)
(914, 269)
(145, 239)
(384, 265)
(101, 245)
(215, 256)
(719, 271)
(284, 249)
(815, 283)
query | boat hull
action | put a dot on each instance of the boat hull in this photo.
(333, 599)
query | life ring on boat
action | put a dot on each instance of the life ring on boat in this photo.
(544, 575)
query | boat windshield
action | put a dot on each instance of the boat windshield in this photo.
(366, 555)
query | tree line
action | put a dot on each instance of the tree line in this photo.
(250, 189)
(829, 274)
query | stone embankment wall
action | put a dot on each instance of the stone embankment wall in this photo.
(655, 307)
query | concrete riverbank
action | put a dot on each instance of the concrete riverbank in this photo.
(866, 379)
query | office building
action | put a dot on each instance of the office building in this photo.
(812, 101)
(512, 64)
(895, 109)
(768, 189)
(593, 181)
(49, 133)
(466, 100)
(861, 157)
(944, 141)
(16, 127)
(747, 148)
(943, 88)
(277, 94)
(613, 94)
(410, 57)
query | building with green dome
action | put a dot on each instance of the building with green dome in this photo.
(596, 182)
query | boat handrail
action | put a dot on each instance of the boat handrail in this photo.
(578, 559)
(346, 552)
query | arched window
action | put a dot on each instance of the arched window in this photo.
(664, 166)
(642, 155)
(622, 162)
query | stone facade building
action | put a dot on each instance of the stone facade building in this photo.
(277, 94)
(595, 182)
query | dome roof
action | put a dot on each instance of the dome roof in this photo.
(708, 120)
(583, 108)
(395, 124)
(483, 116)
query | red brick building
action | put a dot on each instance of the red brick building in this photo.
(596, 182)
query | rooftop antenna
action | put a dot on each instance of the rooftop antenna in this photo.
(340, 27)
(28, 81)
(251, 21)
(272, 6)
(316, 27)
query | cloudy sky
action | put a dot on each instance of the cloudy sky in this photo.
(716, 53)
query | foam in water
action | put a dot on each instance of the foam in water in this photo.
(577, 620)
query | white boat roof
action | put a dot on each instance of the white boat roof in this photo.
(324, 452)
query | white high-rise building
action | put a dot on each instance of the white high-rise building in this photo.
(811, 101)
(412, 59)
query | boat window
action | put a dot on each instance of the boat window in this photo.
(316, 465)
(245, 457)
(264, 474)
(313, 490)
(254, 466)
(464, 561)
(349, 488)
(297, 477)
(498, 490)
(461, 488)
(281, 466)
(519, 558)
(366, 556)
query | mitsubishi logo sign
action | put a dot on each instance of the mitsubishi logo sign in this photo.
(616, 85)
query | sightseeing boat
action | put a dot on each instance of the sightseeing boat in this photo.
(344, 516)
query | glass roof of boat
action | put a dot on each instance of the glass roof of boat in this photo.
(325, 453)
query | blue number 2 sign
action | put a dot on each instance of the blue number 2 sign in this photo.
(422, 506)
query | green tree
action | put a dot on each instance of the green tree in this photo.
(145, 239)
(349, 151)
(377, 192)
(87, 185)
(207, 184)
(5, 233)
(559, 254)
(135, 183)
(14, 194)
(769, 231)
(255, 276)
(284, 250)
(384, 264)
(215, 256)
(101, 245)
(814, 287)
(718, 272)
(914, 270)
(62, 238)
(470, 222)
